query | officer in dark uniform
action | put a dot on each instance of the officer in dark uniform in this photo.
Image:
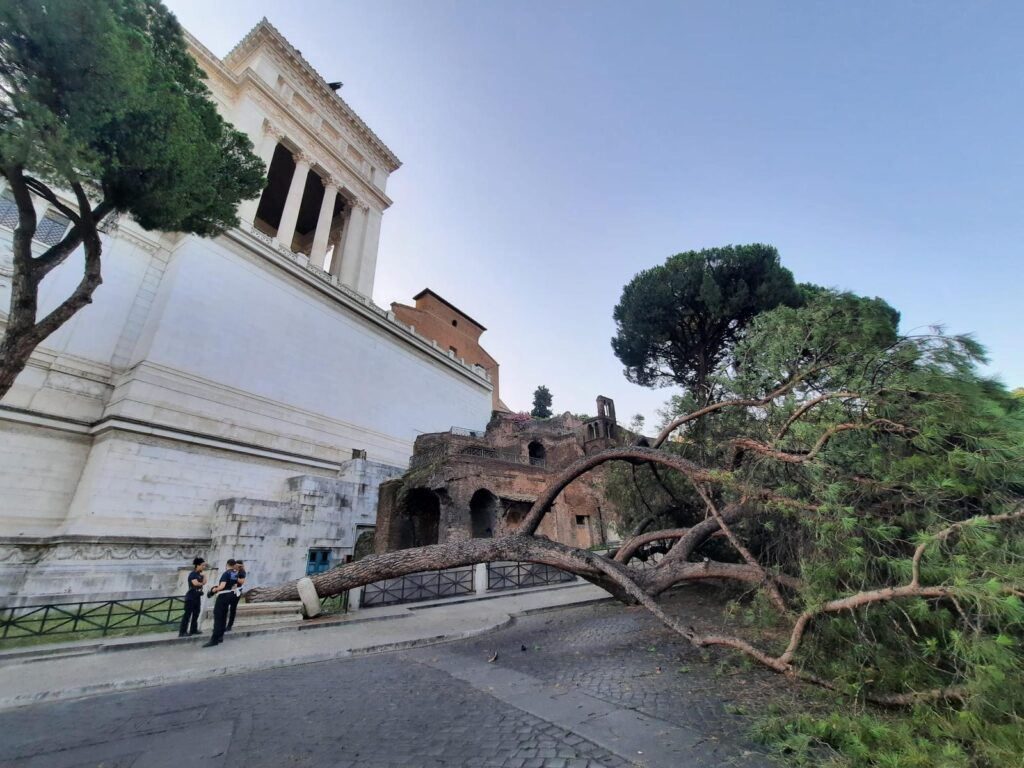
(193, 599)
(220, 608)
(236, 595)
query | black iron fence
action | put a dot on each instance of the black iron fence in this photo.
(334, 604)
(102, 618)
(520, 575)
(428, 585)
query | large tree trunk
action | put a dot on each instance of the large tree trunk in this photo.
(391, 565)
(24, 332)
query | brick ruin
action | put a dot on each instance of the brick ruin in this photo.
(465, 484)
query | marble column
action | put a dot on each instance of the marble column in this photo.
(290, 216)
(268, 144)
(353, 245)
(323, 223)
(339, 247)
(368, 254)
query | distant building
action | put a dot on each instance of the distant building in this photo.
(236, 395)
(454, 331)
(477, 484)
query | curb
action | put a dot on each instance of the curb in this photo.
(85, 691)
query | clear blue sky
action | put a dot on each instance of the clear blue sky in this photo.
(553, 150)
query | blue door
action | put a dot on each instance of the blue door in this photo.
(319, 560)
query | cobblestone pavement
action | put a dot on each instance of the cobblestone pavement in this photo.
(627, 657)
(404, 709)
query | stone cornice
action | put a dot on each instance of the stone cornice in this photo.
(152, 429)
(284, 123)
(209, 62)
(264, 31)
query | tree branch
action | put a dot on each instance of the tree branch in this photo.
(744, 444)
(47, 194)
(27, 223)
(737, 402)
(799, 412)
(945, 533)
(773, 591)
(629, 547)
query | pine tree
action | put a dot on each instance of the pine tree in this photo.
(541, 403)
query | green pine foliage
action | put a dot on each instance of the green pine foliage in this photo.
(675, 322)
(541, 403)
(105, 93)
(917, 442)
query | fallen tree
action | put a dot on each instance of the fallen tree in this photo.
(885, 476)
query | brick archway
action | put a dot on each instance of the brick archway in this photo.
(484, 512)
(419, 520)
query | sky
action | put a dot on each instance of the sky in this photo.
(552, 150)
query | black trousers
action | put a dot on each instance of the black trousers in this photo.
(235, 600)
(220, 616)
(189, 622)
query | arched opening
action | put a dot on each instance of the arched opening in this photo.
(643, 442)
(537, 452)
(484, 510)
(420, 519)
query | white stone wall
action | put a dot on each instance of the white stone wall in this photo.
(39, 471)
(274, 537)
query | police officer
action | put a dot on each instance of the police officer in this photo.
(236, 593)
(193, 599)
(220, 608)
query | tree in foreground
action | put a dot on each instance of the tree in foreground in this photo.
(870, 494)
(541, 403)
(674, 322)
(104, 111)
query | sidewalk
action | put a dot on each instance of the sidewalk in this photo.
(83, 669)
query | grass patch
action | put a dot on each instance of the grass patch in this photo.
(39, 625)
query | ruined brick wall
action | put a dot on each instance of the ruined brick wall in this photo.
(484, 484)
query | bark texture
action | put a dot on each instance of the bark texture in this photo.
(25, 330)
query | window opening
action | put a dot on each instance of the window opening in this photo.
(318, 561)
(8, 210)
(537, 452)
(52, 227)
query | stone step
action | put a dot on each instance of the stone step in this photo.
(251, 614)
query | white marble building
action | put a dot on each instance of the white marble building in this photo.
(177, 412)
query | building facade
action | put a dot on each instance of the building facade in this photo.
(439, 320)
(236, 394)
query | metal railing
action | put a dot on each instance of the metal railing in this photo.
(101, 617)
(431, 456)
(334, 604)
(427, 585)
(521, 575)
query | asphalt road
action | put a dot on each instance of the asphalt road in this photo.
(595, 686)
